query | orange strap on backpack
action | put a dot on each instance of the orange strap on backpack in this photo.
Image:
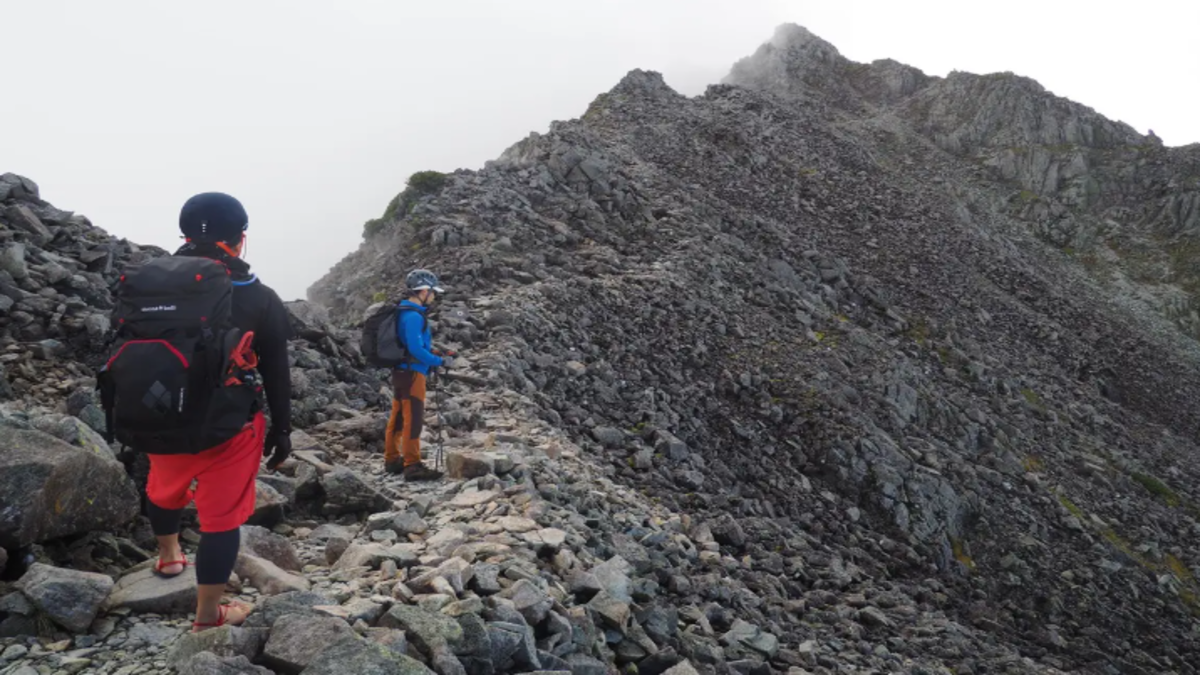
(242, 358)
(243, 355)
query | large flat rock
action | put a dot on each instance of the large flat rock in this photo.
(141, 591)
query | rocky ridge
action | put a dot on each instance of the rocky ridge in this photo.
(808, 300)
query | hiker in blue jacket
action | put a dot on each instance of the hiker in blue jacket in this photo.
(402, 446)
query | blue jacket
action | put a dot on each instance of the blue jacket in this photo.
(415, 335)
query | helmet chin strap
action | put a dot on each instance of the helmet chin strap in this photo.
(236, 254)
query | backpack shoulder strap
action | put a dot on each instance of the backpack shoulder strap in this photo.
(401, 309)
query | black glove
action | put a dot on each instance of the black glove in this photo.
(278, 446)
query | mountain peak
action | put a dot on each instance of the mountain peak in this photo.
(644, 81)
(795, 61)
(795, 38)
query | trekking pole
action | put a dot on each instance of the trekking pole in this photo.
(440, 443)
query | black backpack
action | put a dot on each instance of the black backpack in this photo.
(178, 379)
(380, 344)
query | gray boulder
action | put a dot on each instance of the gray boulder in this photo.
(19, 615)
(49, 489)
(269, 505)
(372, 555)
(261, 542)
(74, 431)
(467, 465)
(428, 631)
(347, 492)
(276, 607)
(308, 320)
(530, 599)
(267, 577)
(69, 597)
(224, 642)
(27, 220)
(296, 640)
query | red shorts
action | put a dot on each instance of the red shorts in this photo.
(225, 479)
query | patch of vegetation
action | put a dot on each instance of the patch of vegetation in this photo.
(44, 625)
(1070, 506)
(373, 227)
(381, 296)
(1123, 546)
(918, 331)
(1177, 568)
(1032, 397)
(960, 553)
(1157, 488)
(1189, 591)
(1034, 464)
(424, 183)
(828, 340)
(420, 184)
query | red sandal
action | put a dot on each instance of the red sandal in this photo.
(158, 567)
(222, 615)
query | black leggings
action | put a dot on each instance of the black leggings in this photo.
(217, 553)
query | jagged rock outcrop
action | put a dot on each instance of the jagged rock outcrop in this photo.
(1124, 206)
(830, 300)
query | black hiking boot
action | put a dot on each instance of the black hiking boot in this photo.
(394, 467)
(419, 472)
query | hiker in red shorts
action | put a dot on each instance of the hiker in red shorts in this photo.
(194, 327)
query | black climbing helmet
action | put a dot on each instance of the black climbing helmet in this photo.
(213, 216)
(420, 280)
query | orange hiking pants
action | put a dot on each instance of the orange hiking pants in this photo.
(407, 420)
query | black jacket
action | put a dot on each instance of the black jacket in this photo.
(256, 307)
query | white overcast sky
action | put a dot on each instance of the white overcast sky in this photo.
(314, 113)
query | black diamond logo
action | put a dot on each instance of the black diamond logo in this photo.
(158, 398)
